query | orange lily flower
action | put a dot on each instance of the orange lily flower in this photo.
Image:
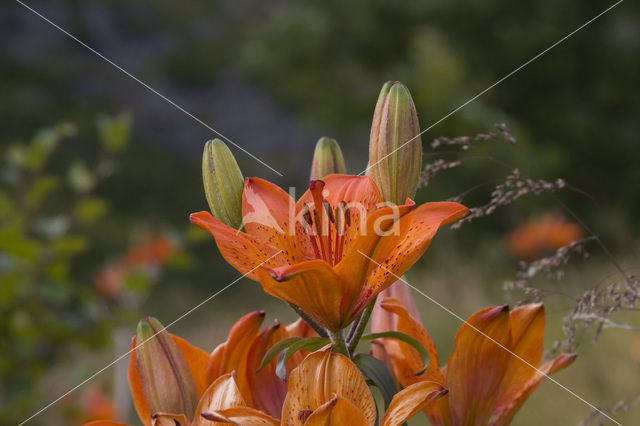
(328, 389)
(226, 378)
(313, 253)
(487, 384)
(243, 352)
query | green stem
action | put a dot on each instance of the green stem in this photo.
(338, 343)
(357, 329)
(312, 323)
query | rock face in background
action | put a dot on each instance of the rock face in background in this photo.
(49, 73)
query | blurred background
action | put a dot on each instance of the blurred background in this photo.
(98, 175)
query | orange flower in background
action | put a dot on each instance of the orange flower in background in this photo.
(547, 234)
(154, 251)
(314, 252)
(150, 254)
(95, 403)
(487, 384)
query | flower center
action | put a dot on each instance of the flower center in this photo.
(326, 225)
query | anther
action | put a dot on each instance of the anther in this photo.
(328, 211)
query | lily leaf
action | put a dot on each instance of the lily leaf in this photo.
(308, 344)
(276, 349)
(405, 338)
(375, 370)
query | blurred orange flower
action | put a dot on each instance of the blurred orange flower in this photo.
(94, 404)
(149, 254)
(536, 238)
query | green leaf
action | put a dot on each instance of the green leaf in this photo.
(137, 282)
(80, 178)
(17, 155)
(276, 349)
(14, 242)
(7, 205)
(114, 132)
(90, 210)
(405, 338)
(40, 189)
(70, 245)
(308, 344)
(375, 370)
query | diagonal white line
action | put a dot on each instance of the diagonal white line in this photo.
(145, 341)
(494, 341)
(148, 87)
(496, 83)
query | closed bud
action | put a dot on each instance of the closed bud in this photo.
(395, 146)
(327, 159)
(223, 183)
(166, 380)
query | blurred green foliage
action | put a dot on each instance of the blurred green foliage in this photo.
(48, 218)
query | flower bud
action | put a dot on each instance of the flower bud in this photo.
(166, 380)
(223, 183)
(327, 159)
(395, 146)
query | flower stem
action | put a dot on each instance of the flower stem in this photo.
(338, 343)
(312, 323)
(358, 328)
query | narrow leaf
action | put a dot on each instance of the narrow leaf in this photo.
(276, 349)
(405, 338)
(308, 344)
(375, 370)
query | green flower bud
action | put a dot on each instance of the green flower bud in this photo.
(395, 146)
(166, 380)
(327, 159)
(223, 183)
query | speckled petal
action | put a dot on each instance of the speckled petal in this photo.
(266, 214)
(322, 376)
(242, 251)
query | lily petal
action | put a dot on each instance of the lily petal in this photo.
(242, 251)
(405, 359)
(382, 320)
(507, 409)
(267, 390)
(242, 416)
(266, 212)
(395, 254)
(347, 188)
(526, 323)
(322, 376)
(300, 328)
(222, 394)
(337, 411)
(477, 365)
(356, 266)
(135, 385)
(197, 360)
(314, 287)
(406, 403)
(104, 423)
(232, 355)
(163, 419)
